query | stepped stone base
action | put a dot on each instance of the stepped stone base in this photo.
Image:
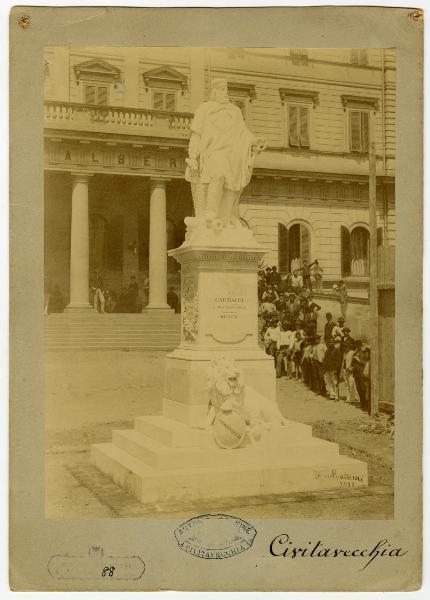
(163, 460)
(167, 458)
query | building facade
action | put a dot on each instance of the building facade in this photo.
(117, 124)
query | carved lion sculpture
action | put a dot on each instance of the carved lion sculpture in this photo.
(227, 391)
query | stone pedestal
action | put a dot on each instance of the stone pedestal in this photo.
(167, 457)
(219, 318)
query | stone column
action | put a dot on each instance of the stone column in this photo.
(157, 247)
(79, 244)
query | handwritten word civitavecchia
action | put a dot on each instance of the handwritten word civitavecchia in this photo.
(282, 545)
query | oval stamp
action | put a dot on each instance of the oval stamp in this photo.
(215, 536)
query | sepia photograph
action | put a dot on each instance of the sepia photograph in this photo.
(219, 242)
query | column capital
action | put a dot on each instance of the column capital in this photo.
(81, 176)
(159, 181)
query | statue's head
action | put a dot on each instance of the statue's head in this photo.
(219, 91)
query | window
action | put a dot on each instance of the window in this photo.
(297, 106)
(96, 77)
(164, 100)
(358, 56)
(298, 125)
(164, 87)
(294, 246)
(355, 252)
(359, 126)
(358, 110)
(282, 248)
(96, 94)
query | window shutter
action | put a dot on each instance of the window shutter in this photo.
(102, 95)
(90, 94)
(345, 251)
(305, 250)
(170, 102)
(364, 131)
(283, 248)
(304, 127)
(355, 134)
(379, 240)
(158, 99)
(293, 138)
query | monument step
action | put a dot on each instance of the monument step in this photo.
(303, 473)
(176, 434)
(161, 456)
(173, 433)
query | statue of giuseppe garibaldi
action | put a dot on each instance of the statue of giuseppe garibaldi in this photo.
(221, 153)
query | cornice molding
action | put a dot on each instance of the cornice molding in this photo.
(295, 95)
(359, 102)
(247, 90)
(165, 75)
(96, 68)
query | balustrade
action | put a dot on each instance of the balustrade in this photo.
(72, 115)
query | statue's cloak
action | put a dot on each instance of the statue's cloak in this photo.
(225, 145)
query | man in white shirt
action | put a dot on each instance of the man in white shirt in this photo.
(284, 345)
(348, 371)
(338, 329)
(296, 281)
(271, 338)
(317, 360)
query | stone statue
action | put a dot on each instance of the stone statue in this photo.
(221, 152)
(227, 391)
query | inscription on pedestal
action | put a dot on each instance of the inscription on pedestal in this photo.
(230, 311)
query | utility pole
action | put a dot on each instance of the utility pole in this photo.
(373, 285)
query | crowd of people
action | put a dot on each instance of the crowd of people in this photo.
(289, 331)
(309, 277)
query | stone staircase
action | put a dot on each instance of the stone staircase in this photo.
(94, 331)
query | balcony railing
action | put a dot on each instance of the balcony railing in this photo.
(114, 119)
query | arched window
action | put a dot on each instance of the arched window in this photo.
(294, 246)
(113, 243)
(355, 252)
(359, 252)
